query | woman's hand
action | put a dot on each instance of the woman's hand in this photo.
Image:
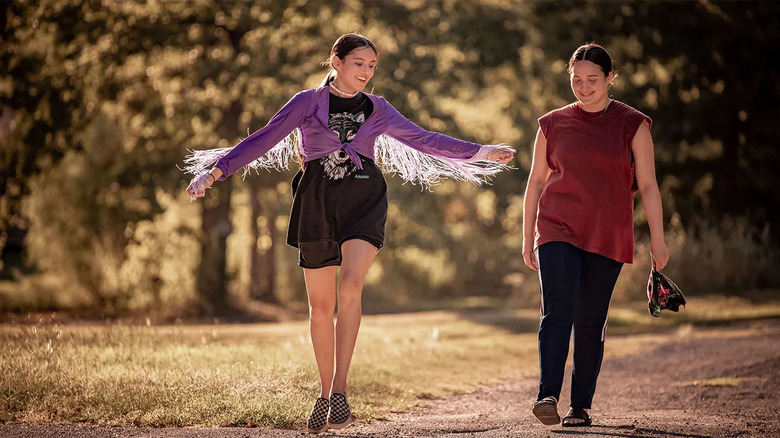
(199, 184)
(502, 154)
(529, 257)
(659, 253)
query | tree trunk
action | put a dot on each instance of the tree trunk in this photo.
(262, 271)
(212, 277)
(212, 284)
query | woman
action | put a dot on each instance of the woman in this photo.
(340, 197)
(589, 159)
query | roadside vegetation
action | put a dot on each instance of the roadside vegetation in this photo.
(264, 375)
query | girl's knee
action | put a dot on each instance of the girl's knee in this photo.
(321, 310)
(350, 292)
(350, 284)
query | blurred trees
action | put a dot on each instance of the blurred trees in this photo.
(132, 64)
(706, 73)
(100, 100)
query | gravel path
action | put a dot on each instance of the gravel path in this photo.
(702, 382)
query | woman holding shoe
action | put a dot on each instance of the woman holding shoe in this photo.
(590, 157)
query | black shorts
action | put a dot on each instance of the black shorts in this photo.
(327, 212)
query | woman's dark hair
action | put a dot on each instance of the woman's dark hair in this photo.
(594, 53)
(343, 47)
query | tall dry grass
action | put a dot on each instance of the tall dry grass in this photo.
(730, 257)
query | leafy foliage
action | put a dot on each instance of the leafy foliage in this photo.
(100, 100)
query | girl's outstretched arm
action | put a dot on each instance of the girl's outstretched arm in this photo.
(226, 161)
(440, 145)
(289, 117)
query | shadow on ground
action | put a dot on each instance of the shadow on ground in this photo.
(627, 431)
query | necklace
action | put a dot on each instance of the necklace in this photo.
(582, 113)
(342, 93)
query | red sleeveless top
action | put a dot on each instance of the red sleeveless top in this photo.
(588, 199)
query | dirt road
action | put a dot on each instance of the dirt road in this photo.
(702, 382)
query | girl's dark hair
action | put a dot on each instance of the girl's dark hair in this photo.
(594, 53)
(341, 48)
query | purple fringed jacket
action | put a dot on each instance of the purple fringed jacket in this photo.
(399, 145)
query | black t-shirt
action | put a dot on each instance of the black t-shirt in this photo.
(346, 114)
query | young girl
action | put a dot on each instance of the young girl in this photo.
(340, 196)
(589, 159)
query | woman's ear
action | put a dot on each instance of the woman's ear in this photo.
(335, 62)
(611, 77)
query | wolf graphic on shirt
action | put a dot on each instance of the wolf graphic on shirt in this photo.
(337, 165)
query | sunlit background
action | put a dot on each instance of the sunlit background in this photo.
(101, 101)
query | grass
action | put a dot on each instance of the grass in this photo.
(264, 374)
(237, 375)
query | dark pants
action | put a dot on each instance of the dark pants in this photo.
(576, 289)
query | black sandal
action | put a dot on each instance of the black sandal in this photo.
(546, 410)
(580, 414)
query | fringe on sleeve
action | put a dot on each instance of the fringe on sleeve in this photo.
(277, 158)
(427, 170)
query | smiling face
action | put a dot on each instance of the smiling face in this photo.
(590, 85)
(355, 69)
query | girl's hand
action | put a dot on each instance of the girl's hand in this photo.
(529, 257)
(502, 154)
(199, 184)
(659, 253)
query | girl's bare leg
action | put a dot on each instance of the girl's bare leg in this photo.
(321, 290)
(356, 258)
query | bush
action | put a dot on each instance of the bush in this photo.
(163, 254)
(105, 232)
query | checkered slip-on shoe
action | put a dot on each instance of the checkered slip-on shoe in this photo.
(318, 417)
(340, 414)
